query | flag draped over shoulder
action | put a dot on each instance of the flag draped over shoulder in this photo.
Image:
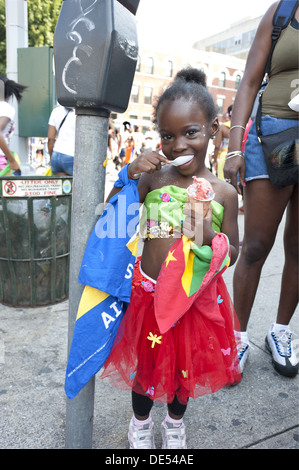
(106, 272)
(190, 272)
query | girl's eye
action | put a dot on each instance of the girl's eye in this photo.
(166, 137)
(192, 132)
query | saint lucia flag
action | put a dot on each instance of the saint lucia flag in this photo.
(106, 272)
(189, 273)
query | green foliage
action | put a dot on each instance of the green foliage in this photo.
(42, 19)
(2, 38)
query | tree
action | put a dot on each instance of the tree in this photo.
(2, 38)
(42, 19)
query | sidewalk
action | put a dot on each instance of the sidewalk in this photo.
(259, 413)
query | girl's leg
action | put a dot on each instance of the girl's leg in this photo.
(173, 428)
(264, 208)
(176, 410)
(142, 406)
(141, 429)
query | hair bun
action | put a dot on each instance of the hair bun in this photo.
(191, 74)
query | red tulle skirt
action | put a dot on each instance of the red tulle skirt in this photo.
(195, 357)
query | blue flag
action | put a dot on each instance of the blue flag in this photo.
(106, 271)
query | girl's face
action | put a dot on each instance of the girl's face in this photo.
(185, 130)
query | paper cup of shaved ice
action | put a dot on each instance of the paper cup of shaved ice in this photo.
(201, 191)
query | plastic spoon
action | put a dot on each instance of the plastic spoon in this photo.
(181, 160)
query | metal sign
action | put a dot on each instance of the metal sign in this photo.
(35, 187)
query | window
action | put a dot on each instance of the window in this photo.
(135, 94)
(219, 105)
(149, 65)
(169, 69)
(238, 40)
(222, 79)
(237, 81)
(148, 91)
(138, 64)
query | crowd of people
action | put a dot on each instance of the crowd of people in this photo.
(128, 143)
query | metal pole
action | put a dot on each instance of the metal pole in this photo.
(88, 192)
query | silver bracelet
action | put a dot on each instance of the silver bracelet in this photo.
(234, 154)
(233, 127)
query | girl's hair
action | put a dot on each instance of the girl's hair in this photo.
(12, 88)
(190, 84)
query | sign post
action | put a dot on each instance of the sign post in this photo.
(95, 51)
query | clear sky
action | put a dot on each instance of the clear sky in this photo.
(182, 22)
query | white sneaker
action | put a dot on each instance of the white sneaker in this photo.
(173, 437)
(284, 359)
(141, 437)
(243, 352)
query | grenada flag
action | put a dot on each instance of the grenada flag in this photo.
(190, 273)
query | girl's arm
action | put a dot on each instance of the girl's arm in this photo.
(141, 167)
(230, 221)
(199, 229)
(4, 147)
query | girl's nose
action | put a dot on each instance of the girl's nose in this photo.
(179, 145)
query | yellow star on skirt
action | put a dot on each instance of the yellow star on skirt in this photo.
(154, 338)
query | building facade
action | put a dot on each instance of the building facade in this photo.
(155, 70)
(235, 41)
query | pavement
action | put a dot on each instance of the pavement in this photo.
(259, 413)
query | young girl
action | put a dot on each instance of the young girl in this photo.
(195, 356)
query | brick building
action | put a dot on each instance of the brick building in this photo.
(155, 69)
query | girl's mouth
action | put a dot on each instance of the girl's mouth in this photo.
(183, 161)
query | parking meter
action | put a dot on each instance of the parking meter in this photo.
(95, 53)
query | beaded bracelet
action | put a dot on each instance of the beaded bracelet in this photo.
(233, 127)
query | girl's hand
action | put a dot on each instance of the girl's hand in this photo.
(148, 162)
(233, 167)
(197, 227)
(14, 165)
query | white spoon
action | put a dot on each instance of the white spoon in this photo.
(177, 162)
(181, 160)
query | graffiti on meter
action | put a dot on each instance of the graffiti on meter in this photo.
(75, 36)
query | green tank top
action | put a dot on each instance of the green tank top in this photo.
(162, 213)
(283, 75)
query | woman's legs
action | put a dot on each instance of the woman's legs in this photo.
(289, 284)
(264, 207)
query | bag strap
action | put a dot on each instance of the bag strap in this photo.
(281, 19)
(60, 125)
(283, 15)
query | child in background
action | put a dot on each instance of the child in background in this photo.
(195, 356)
